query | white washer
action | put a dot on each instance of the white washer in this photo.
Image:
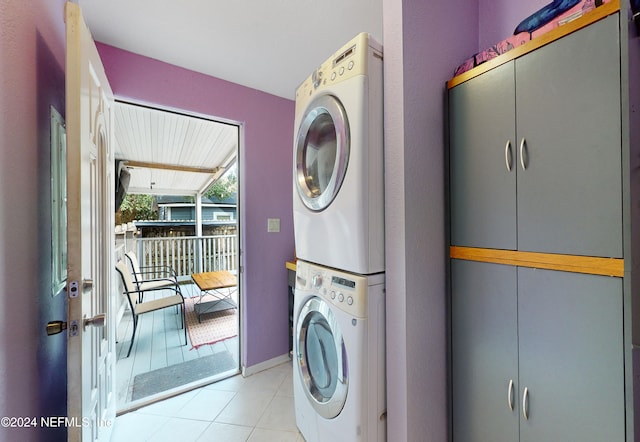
(339, 355)
(338, 202)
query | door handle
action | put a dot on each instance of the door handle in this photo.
(510, 395)
(97, 321)
(523, 145)
(525, 403)
(507, 155)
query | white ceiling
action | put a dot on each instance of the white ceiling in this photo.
(271, 46)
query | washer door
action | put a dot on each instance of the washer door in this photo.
(322, 359)
(321, 152)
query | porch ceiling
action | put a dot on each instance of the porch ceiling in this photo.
(171, 154)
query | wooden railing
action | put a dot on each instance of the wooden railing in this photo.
(190, 254)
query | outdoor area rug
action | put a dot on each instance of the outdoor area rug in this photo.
(215, 327)
(163, 379)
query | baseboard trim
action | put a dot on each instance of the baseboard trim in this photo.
(262, 366)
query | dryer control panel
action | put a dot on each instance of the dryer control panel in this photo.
(349, 61)
(344, 290)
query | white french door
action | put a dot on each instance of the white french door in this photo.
(91, 338)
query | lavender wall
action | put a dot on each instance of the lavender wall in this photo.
(265, 179)
(32, 365)
(423, 43)
(498, 18)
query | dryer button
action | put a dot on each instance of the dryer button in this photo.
(333, 294)
(333, 75)
(349, 300)
(350, 65)
(340, 297)
(342, 70)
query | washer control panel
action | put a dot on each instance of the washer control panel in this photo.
(344, 290)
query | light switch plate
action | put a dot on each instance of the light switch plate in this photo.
(273, 225)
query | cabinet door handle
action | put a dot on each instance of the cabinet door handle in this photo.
(510, 395)
(525, 403)
(507, 155)
(522, 153)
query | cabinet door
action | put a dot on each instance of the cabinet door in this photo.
(570, 360)
(568, 111)
(483, 189)
(484, 352)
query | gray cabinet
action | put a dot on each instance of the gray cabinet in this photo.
(484, 351)
(483, 187)
(568, 112)
(536, 355)
(535, 150)
(570, 336)
(540, 150)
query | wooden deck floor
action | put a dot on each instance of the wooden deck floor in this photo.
(159, 343)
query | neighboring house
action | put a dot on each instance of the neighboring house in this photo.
(177, 217)
(181, 208)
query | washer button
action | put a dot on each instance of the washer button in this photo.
(333, 294)
(340, 297)
(341, 70)
(333, 75)
(350, 65)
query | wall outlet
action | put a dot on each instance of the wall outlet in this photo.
(273, 225)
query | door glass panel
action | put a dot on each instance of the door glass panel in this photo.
(322, 358)
(320, 154)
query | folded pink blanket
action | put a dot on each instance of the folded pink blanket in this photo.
(519, 39)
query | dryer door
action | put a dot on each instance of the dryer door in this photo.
(322, 359)
(321, 152)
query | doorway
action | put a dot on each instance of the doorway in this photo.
(186, 166)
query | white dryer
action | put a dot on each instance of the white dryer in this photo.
(339, 355)
(338, 206)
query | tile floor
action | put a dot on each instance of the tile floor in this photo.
(257, 408)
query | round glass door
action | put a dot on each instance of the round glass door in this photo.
(322, 152)
(322, 358)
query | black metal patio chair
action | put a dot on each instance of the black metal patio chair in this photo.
(131, 291)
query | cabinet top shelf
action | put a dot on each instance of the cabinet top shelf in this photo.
(591, 17)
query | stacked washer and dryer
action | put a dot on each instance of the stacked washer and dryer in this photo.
(339, 300)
